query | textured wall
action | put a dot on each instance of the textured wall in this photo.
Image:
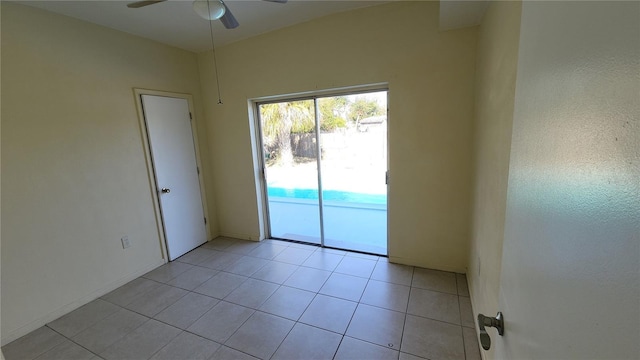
(430, 76)
(74, 177)
(570, 279)
(496, 68)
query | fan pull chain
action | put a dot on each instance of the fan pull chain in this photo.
(215, 62)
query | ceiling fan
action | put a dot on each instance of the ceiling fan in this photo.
(208, 9)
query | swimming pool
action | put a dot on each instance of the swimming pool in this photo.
(328, 195)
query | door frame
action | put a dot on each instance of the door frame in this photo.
(258, 150)
(151, 172)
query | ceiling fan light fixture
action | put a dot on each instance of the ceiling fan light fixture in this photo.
(209, 9)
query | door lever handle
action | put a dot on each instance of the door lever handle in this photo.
(165, 190)
(496, 322)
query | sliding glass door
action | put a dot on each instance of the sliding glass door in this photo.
(353, 167)
(325, 169)
(291, 172)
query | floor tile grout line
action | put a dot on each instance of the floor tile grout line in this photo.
(135, 297)
(163, 309)
(127, 333)
(372, 343)
(438, 291)
(464, 347)
(167, 344)
(66, 338)
(460, 314)
(406, 311)
(280, 286)
(335, 353)
(92, 324)
(236, 330)
(199, 317)
(354, 311)
(188, 292)
(283, 339)
(240, 351)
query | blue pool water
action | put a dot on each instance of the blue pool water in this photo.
(328, 195)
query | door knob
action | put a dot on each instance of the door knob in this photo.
(165, 190)
(496, 322)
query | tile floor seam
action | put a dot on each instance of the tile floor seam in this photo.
(372, 343)
(240, 351)
(338, 347)
(90, 325)
(290, 275)
(317, 327)
(280, 285)
(282, 341)
(69, 339)
(377, 306)
(136, 297)
(464, 348)
(441, 292)
(236, 330)
(194, 320)
(204, 337)
(406, 312)
(124, 335)
(357, 304)
(354, 312)
(300, 322)
(442, 321)
(165, 264)
(165, 308)
(363, 290)
(168, 342)
(404, 325)
(306, 307)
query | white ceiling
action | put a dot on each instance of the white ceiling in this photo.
(175, 23)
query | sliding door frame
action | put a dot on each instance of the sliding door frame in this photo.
(259, 154)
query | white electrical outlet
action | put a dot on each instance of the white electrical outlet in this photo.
(125, 242)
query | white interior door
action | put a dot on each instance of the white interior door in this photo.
(172, 148)
(570, 287)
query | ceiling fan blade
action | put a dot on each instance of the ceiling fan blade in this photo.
(228, 20)
(278, 1)
(139, 4)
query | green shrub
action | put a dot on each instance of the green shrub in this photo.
(332, 123)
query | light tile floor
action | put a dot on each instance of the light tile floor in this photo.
(234, 299)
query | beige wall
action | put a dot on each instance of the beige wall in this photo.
(570, 281)
(430, 76)
(74, 178)
(496, 67)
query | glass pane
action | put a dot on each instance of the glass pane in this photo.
(289, 140)
(353, 139)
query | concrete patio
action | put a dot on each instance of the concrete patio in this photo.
(352, 226)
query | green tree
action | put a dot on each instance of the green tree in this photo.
(362, 108)
(279, 120)
(332, 111)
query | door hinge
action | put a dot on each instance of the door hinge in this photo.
(198, 170)
(386, 178)
(205, 221)
(190, 117)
